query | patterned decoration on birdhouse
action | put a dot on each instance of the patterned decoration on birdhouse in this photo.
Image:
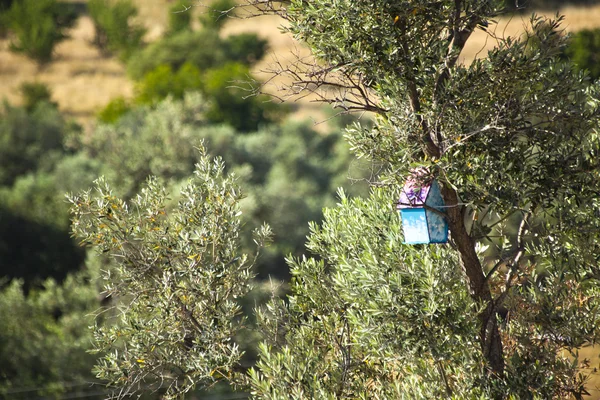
(420, 196)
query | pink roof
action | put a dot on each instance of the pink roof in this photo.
(416, 189)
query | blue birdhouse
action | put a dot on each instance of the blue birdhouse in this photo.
(418, 199)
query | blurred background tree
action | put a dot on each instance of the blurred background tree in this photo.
(38, 25)
(115, 30)
(179, 18)
(45, 339)
(584, 51)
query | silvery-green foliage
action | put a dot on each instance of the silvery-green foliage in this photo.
(513, 138)
(300, 172)
(372, 318)
(179, 276)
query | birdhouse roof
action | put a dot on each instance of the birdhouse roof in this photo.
(416, 189)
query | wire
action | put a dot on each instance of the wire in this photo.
(452, 206)
(65, 385)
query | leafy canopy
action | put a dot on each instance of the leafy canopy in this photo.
(188, 274)
(45, 338)
(513, 141)
(38, 26)
(286, 187)
(584, 50)
(115, 31)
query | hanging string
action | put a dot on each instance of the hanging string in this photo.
(419, 205)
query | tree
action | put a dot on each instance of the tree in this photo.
(204, 49)
(584, 51)
(45, 337)
(35, 93)
(513, 141)
(38, 26)
(216, 15)
(31, 140)
(172, 248)
(286, 187)
(179, 19)
(115, 31)
(34, 217)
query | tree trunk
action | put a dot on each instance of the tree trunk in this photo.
(490, 340)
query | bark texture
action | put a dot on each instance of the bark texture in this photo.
(490, 340)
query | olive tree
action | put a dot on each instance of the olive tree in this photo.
(499, 311)
(179, 272)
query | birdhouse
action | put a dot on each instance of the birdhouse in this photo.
(420, 206)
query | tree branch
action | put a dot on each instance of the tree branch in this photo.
(514, 264)
(490, 339)
(303, 78)
(442, 373)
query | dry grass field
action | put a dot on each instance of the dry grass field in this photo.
(83, 81)
(591, 353)
(576, 19)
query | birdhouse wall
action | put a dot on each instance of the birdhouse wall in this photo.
(414, 225)
(421, 224)
(436, 223)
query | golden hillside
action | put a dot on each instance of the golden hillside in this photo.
(83, 81)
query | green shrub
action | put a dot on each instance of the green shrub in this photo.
(187, 78)
(245, 48)
(163, 81)
(34, 93)
(35, 197)
(75, 172)
(36, 29)
(226, 90)
(30, 140)
(115, 31)
(216, 14)
(45, 338)
(584, 51)
(232, 100)
(39, 196)
(114, 110)
(66, 13)
(156, 85)
(179, 18)
(203, 49)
